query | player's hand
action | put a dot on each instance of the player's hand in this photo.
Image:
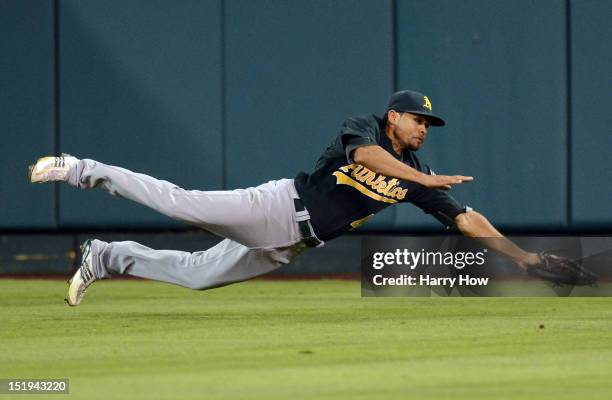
(444, 181)
(528, 261)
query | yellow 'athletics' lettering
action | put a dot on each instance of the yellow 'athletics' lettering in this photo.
(390, 190)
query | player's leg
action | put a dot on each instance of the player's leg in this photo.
(256, 217)
(225, 263)
(222, 264)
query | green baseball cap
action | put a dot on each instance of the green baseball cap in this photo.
(414, 103)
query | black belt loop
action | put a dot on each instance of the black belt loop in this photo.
(299, 206)
(303, 220)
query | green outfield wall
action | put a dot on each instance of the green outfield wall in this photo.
(219, 94)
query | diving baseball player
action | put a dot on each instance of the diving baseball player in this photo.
(369, 166)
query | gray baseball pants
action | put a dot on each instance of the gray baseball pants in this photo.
(259, 224)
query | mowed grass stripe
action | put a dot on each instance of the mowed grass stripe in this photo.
(305, 339)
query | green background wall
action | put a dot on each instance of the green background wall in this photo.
(591, 102)
(26, 111)
(504, 98)
(226, 93)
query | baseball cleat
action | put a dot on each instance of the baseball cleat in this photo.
(49, 169)
(82, 278)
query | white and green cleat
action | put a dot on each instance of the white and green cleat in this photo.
(82, 278)
(51, 169)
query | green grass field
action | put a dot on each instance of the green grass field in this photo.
(305, 339)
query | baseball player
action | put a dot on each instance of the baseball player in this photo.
(369, 166)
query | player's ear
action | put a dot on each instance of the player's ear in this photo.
(393, 116)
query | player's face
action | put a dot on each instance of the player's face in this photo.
(411, 130)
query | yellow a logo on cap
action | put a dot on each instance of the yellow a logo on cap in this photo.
(427, 103)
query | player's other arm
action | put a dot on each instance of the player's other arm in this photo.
(474, 224)
(377, 159)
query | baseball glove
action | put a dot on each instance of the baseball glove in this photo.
(561, 271)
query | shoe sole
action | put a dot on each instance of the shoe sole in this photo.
(69, 282)
(30, 169)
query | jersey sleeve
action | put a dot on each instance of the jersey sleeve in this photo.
(439, 204)
(357, 132)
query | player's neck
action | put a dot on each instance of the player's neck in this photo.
(397, 147)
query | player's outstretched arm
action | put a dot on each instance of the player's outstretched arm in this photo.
(474, 224)
(376, 159)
